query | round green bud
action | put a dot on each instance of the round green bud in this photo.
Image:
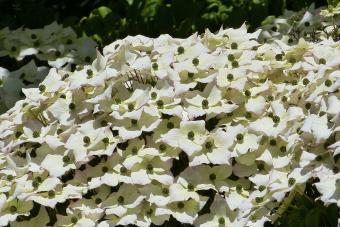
(149, 167)
(234, 64)
(51, 194)
(212, 177)
(276, 119)
(131, 107)
(165, 191)
(308, 105)
(149, 212)
(89, 72)
(98, 201)
(328, 83)
(72, 106)
(59, 131)
(230, 77)
(239, 137)
(190, 187)
(305, 81)
(291, 181)
(239, 188)
(120, 199)
(283, 149)
(123, 169)
(36, 134)
(318, 158)
(105, 169)
(180, 50)
(208, 145)
(153, 95)
(272, 142)
(42, 88)
(261, 188)
(86, 139)
(74, 220)
(180, 205)
(234, 46)
(162, 147)
(322, 61)
(160, 104)
(195, 61)
(247, 93)
(221, 221)
(248, 115)
(231, 57)
(170, 125)
(191, 135)
(105, 140)
(13, 209)
(258, 199)
(154, 66)
(66, 159)
(134, 150)
(278, 57)
(205, 103)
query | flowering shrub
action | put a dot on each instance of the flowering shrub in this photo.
(311, 24)
(51, 46)
(211, 130)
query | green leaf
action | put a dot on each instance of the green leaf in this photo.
(101, 12)
(313, 218)
(332, 2)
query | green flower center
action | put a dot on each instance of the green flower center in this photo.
(195, 61)
(205, 103)
(120, 200)
(155, 66)
(180, 50)
(51, 194)
(230, 77)
(180, 205)
(191, 135)
(212, 177)
(234, 46)
(42, 88)
(221, 221)
(291, 181)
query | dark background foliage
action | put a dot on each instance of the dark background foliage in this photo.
(108, 20)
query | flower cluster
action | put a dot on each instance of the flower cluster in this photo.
(52, 46)
(311, 24)
(53, 43)
(212, 130)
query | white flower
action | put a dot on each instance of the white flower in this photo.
(189, 137)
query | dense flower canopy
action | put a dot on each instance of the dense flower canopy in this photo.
(51, 46)
(155, 128)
